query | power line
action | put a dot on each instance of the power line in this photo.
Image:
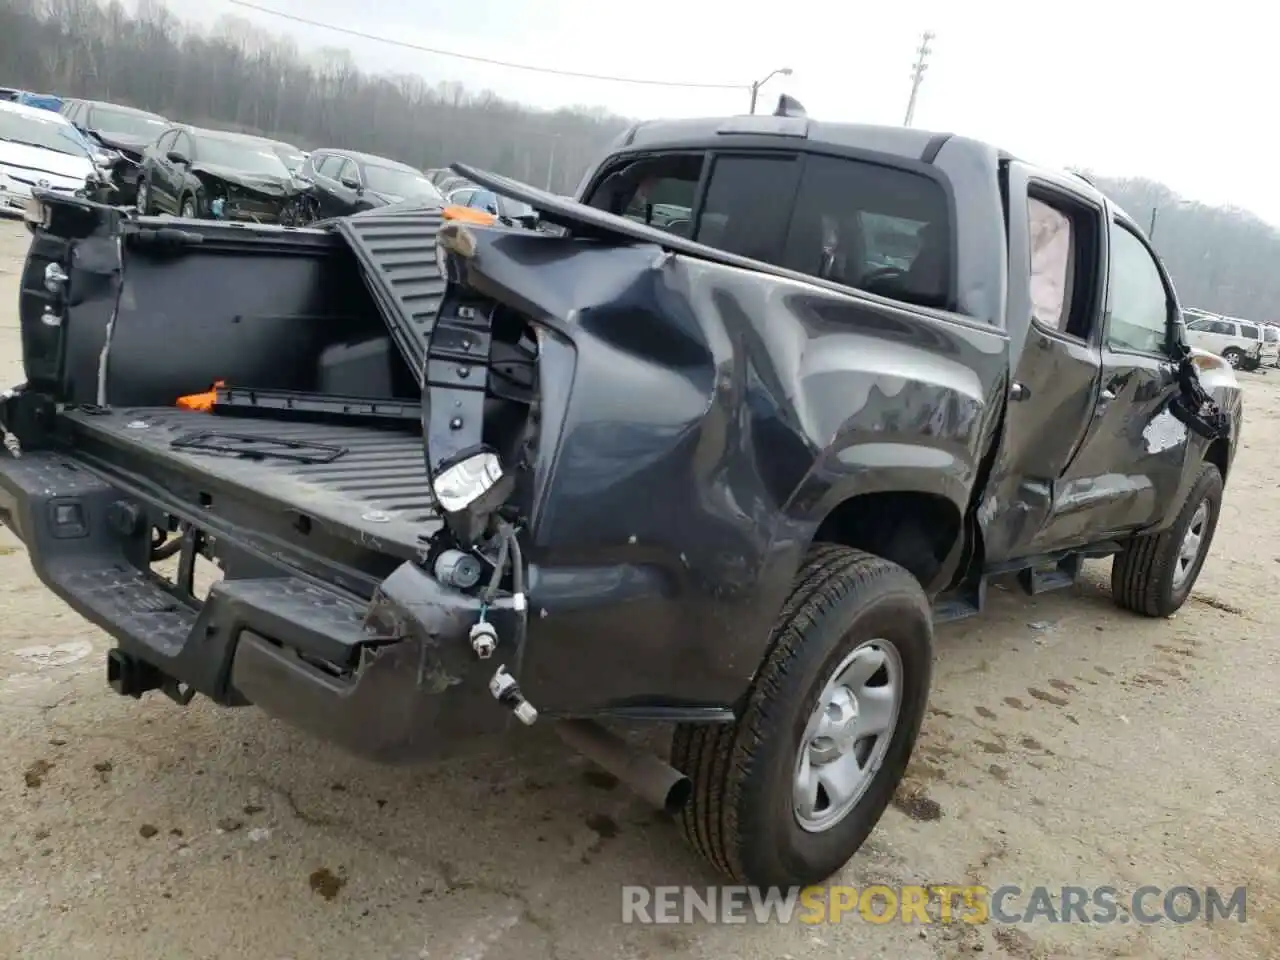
(917, 74)
(489, 60)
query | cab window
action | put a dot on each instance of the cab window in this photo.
(866, 226)
(1137, 302)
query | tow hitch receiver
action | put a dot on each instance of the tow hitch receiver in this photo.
(131, 677)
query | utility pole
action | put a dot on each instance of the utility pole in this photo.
(551, 160)
(917, 74)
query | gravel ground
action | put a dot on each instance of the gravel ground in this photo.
(1068, 743)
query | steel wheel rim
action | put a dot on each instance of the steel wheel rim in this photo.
(847, 736)
(1234, 360)
(189, 209)
(1192, 544)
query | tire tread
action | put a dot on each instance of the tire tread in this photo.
(719, 757)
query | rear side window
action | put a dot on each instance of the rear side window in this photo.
(1248, 331)
(749, 206)
(1051, 267)
(863, 225)
(872, 227)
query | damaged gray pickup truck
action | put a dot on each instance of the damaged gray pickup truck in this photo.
(726, 473)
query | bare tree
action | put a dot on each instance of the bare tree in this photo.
(237, 76)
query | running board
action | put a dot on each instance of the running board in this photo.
(1036, 575)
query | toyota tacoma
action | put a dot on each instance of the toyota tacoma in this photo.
(773, 399)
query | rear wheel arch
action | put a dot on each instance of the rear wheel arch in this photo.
(917, 530)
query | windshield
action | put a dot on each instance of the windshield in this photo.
(243, 155)
(293, 159)
(48, 134)
(122, 121)
(400, 183)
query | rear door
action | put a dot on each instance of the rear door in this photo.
(1057, 255)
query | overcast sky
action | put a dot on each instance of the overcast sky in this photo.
(1167, 91)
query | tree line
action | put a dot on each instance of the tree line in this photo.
(1221, 259)
(238, 76)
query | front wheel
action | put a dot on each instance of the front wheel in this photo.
(788, 793)
(1234, 357)
(143, 202)
(1153, 575)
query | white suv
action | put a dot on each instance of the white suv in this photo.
(1239, 342)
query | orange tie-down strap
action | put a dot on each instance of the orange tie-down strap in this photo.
(201, 402)
(467, 215)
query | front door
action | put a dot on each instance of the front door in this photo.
(1129, 469)
(1056, 352)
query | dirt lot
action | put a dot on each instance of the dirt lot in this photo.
(1068, 744)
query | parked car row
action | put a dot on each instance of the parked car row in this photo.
(40, 149)
(1245, 344)
(129, 157)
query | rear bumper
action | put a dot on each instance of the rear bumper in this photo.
(393, 679)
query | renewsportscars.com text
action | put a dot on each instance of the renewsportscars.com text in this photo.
(1007, 904)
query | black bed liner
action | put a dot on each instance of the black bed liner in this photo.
(397, 254)
(374, 491)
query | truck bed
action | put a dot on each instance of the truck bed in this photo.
(365, 484)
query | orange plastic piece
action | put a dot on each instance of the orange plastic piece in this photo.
(468, 215)
(201, 402)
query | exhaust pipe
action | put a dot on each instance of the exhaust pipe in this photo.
(659, 783)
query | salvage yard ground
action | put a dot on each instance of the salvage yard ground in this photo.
(1067, 744)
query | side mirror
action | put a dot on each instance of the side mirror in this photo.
(177, 156)
(350, 182)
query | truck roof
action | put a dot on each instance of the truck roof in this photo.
(905, 143)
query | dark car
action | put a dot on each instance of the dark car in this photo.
(216, 175)
(126, 131)
(347, 182)
(508, 211)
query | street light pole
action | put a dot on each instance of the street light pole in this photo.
(755, 87)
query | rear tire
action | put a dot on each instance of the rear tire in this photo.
(1154, 574)
(1234, 357)
(748, 815)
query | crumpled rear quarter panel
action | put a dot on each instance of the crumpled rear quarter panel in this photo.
(699, 420)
